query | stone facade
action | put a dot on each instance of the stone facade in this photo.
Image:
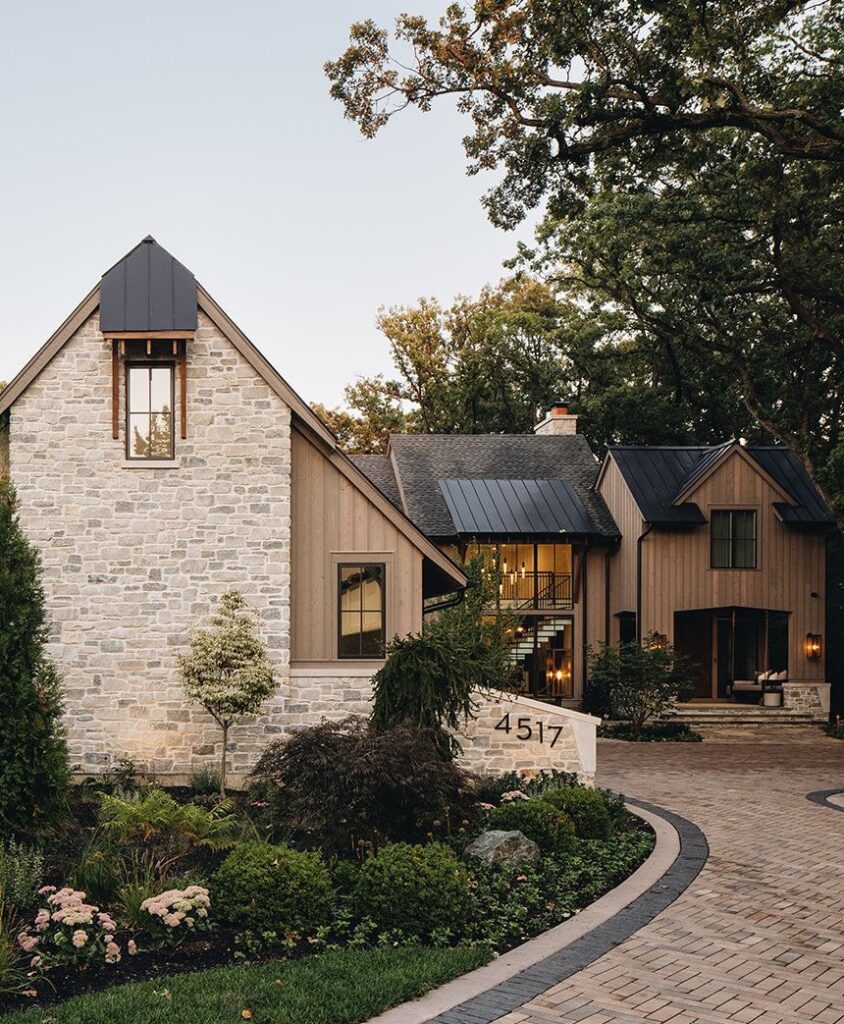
(808, 697)
(540, 737)
(134, 557)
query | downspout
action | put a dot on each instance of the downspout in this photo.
(642, 536)
(611, 550)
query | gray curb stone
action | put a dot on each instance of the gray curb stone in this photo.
(533, 981)
(821, 796)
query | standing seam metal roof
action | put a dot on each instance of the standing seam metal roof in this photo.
(148, 290)
(511, 507)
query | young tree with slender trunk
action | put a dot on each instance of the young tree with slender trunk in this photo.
(228, 670)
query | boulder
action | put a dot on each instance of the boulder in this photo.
(503, 848)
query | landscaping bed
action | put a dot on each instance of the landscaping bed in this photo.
(349, 842)
(650, 732)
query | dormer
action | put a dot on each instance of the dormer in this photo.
(148, 311)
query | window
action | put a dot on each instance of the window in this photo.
(149, 411)
(733, 536)
(362, 619)
(626, 627)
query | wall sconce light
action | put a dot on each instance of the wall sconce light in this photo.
(813, 646)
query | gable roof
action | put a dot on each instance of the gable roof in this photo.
(441, 574)
(420, 461)
(661, 478)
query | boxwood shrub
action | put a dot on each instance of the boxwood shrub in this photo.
(587, 809)
(418, 890)
(261, 887)
(551, 829)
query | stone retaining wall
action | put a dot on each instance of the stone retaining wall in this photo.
(807, 697)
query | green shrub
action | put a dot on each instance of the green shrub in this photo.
(261, 887)
(205, 781)
(419, 891)
(167, 831)
(490, 788)
(651, 732)
(21, 875)
(98, 871)
(34, 769)
(551, 830)
(586, 808)
(350, 788)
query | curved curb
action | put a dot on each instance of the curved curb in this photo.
(822, 797)
(516, 977)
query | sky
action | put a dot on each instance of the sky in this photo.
(209, 126)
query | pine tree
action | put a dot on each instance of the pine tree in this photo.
(228, 670)
(33, 753)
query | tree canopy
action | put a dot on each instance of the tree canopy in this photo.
(687, 158)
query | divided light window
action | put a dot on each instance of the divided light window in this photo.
(149, 410)
(733, 534)
(362, 625)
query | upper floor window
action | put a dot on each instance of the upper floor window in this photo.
(733, 536)
(149, 410)
(362, 626)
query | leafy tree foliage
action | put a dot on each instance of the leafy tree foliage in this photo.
(689, 160)
(228, 670)
(33, 754)
(495, 363)
(636, 681)
(429, 679)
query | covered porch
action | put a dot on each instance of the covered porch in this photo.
(730, 648)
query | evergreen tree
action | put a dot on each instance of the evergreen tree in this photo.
(33, 753)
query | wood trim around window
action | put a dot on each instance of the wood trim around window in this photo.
(361, 563)
(141, 364)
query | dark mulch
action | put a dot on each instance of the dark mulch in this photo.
(61, 983)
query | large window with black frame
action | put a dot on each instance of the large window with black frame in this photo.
(362, 610)
(543, 650)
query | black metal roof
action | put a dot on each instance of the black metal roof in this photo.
(420, 461)
(509, 508)
(148, 290)
(657, 476)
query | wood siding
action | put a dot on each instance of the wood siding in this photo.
(622, 567)
(676, 573)
(333, 522)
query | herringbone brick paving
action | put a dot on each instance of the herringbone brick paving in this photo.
(758, 938)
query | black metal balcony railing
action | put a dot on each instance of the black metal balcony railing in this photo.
(545, 590)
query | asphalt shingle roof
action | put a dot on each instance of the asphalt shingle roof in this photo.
(379, 469)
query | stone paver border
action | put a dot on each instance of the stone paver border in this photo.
(483, 996)
(832, 798)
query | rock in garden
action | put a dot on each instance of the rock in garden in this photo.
(503, 848)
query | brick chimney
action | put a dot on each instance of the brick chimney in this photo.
(557, 421)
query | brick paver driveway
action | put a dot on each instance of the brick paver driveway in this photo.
(758, 937)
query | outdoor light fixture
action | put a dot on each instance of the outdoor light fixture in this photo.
(813, 646)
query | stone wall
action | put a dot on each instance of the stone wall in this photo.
(134, 557)
(536, 736)
(807, 697)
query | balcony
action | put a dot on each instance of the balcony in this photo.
(542, 591)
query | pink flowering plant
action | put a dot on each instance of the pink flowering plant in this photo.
(67, 930)
(176, 914)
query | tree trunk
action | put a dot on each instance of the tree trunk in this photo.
(225, 728)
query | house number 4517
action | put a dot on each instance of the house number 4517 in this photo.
(530, 729)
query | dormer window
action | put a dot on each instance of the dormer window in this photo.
(150, 399)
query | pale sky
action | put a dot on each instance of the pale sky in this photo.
(209, 126)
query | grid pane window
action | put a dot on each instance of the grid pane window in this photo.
(362, 618)
(149, 412)
(733, 538)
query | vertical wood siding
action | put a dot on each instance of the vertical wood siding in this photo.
(622, 569)
(676, 573)
(333, 522)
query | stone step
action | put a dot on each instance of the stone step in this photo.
(726, 715)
